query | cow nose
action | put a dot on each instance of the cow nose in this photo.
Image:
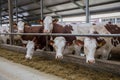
(91, 61)
(45, 31)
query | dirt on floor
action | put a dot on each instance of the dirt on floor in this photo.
(68, 71)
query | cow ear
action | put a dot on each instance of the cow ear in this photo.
(69, 43)
(78, 42)
(51, 42)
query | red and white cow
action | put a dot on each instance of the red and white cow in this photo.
(33, 42)
(69, 43)
(90, 43)
(4, 38)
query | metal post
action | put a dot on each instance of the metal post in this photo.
(41, 9)
(61, 18)
(16, 11)
(10, 7)
(0, 13)
(87, 11)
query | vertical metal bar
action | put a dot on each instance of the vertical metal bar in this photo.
(41, 9)
(0, 13)
(61, 18)
(10, 7)
(87, 11)
(16, 11)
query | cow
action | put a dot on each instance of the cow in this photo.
(64, 43)
(90, 43)
(31, 42)
(4, 38)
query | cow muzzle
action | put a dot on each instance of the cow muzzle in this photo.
(45, 31)
(59, 57)
(91, 61)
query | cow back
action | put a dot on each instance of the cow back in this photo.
(114, 29)
(35, 29)
(57, 28)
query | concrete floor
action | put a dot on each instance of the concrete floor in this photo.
(13, 71)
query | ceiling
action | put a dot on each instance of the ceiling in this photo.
(29, 10)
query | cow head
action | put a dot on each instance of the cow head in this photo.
(30, 49)
(20, 26)
(48, 26)
(59, 45)
(90, 45)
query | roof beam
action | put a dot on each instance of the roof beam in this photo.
(92, 12)
(72, 9)
(99, 4)
(103, 3)
(29, 3)
(115, 9)
(74, 2)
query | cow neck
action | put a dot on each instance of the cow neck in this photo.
(100, 42)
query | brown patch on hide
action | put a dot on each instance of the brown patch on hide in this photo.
(79, 42)
(39, 40)
(113, 29)
(57, 28)
(51, 42)
(68, 29)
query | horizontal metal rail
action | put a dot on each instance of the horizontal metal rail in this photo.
(66, 34)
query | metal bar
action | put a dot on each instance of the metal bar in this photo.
(16, 11)
(41, 9)
(81, 7)
(61, 34)
(0, 13)
(10, 6)
(61, 18)
(87, 11)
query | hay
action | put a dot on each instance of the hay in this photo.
(68, 71)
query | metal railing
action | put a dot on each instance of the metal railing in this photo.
(66, 34)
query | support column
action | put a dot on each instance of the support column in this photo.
(0, 13)
(41, 12)
(10, 7)
(61, 18)
(41, 9)
(87, 11)
(16, 11)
